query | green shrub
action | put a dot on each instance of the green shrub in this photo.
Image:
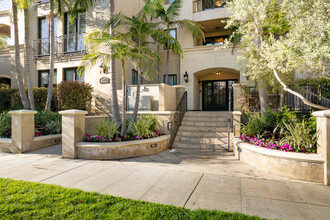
(10, 99)
(74, 95)
(5, 125)
(144, 126)
(254, 126)
(107, 128)
(300, 136)
(48, 122)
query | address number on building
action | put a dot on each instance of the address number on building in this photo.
(105, 80)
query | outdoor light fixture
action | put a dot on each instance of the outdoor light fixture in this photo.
(102, 69)
(218, 73)
(186, 77)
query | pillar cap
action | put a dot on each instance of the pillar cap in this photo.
(325, 113)
(179, 86)
(73, 112)
(23, 112)
(237, 113)
(236, 85)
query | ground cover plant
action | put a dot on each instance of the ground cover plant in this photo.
(25, 200)
(5, 125)
(283, 130)
(47, 123)
(109, 131)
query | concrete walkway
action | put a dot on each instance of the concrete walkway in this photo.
(191, 179)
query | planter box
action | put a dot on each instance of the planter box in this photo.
(120, 150)
(300, 166)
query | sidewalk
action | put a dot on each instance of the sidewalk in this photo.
(191, 179)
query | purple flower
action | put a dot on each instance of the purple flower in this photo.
(100, 137)
(88, 135)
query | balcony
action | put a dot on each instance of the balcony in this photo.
(66, 45)
(209, 9)
(5, 5)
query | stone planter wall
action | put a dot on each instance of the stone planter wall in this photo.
(120, 150)
(23, 134)
(300, 166)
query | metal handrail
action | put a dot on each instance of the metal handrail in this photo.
(65, 44)
(176, 120)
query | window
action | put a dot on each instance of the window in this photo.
(135, 76)
(173, 34)
(171, 79)
(211, 4)
(74, 33)
(43, 78)
(71, 74)
(44, 36)
(215, 40)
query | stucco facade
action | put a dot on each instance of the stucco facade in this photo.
(200, 62)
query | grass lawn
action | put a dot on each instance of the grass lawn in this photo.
(25, 200)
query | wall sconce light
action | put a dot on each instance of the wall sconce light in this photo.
(103, 69)
(186, 77)
(218, 73)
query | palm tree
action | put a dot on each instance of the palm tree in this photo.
(136, 30)
(21, 89)
(169, 19)
(24, 5)
(74, 8)
(105, 48)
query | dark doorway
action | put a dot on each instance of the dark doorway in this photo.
(216, 95)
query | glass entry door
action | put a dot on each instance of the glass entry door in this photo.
(216, 95)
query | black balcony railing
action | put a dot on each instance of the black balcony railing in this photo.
(64, 45)
(202, 5)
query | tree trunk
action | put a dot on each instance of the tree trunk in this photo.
(167, 63)
(282, 96)
(158, 65)
(263, 98)
(123, 117)
(51, 71)
(115, 105)
(21, 89)
(287, 89)
(27, 58)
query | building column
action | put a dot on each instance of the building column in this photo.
(237, 115)
(323, 140)
(73, 131)
(22, 129)
(238, 95)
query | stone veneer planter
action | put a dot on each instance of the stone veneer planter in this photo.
(120, 150)
(307, 167)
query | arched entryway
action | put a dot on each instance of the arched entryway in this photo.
(5, 30)
(212, 89)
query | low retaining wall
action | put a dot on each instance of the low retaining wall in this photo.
(120, 150)
(300, 166)
(46, 141)
(5, 144)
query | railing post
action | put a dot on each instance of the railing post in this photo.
(73, 131)
(323, 140)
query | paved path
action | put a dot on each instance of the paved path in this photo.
(191, 179)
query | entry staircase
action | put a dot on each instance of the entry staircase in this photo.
(202, 130)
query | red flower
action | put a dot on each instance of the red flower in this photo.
(79, 201)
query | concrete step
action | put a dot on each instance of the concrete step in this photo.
(198, 140)
(206, 114)
(211, 129)
(204, 134)
(190, 145)
(204, 123)
(206, 118)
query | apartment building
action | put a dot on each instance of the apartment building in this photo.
(207, 69)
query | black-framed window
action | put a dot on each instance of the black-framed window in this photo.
(219, 40)
(74, 33)
(173, 33)
(172, 79)
(44, 35)
(43, 78)
(72, 74)
(135, 76)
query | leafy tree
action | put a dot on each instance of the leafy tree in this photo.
(169, 19)
(282, 39)
(104, 48)
(136, 30)
(3, 43)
